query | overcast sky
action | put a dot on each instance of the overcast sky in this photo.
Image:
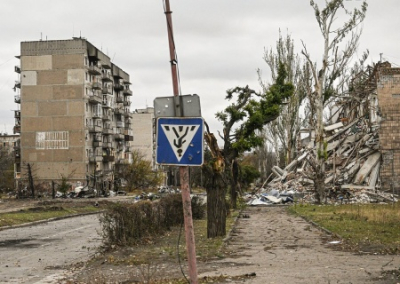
(220, 44)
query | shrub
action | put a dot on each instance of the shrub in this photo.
(127, 224)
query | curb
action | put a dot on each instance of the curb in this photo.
(229, 234)
(48, 220)
(318, 226)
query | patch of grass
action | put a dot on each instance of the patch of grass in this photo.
(369, 227)
(42, 213)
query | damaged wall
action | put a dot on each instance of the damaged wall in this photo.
(363, 143)
(388, 90)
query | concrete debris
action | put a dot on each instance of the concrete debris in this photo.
(354, 157)
(269, 198)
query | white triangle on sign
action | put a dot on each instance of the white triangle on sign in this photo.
(179, 137)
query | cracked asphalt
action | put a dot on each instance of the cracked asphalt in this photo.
(42, 252)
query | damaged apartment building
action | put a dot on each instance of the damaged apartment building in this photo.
(363, 142)
(74, 117)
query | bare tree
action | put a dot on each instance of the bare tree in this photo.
(336, 56)
(284, 131)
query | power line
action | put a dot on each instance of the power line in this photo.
(6, 61)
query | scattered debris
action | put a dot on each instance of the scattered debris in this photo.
(353, 153)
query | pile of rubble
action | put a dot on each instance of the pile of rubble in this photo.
(352, 168)
(354, 160)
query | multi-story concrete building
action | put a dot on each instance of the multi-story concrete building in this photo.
(74, 117)
(8, 143)
(143, 127)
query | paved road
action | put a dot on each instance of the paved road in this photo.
(39, 254)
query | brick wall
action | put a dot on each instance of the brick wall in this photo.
(388, 90)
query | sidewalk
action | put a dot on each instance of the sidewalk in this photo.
(273, 247)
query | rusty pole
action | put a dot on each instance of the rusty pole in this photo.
(183, 171)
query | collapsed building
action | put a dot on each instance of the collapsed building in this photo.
(363, 144)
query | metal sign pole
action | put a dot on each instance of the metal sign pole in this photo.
(184, 171)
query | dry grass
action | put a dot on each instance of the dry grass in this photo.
(44, 212)
(365, 227)
(156, 260)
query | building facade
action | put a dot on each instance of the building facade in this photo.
(8, 143)
(143, 127)
(388, 92)
(74, 118)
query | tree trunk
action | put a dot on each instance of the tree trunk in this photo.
(30, 180)
(216, 207)
(234, 183)
(216, 189)
(319, 185)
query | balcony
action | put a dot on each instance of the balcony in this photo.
(95, 99)
(95, 159)
(97, 86)
(17, 129)
(106, 64)
(128, 138)
(120, 124)
(97, 114)
(97, 144)
(127, 92)
(119, 136)
(126, 112)
(17, 99)
(118, 87)
(94, 70)
(106, 117)
(97, 138)
(108, 131)
(107, 91)
(17, 114)
(107, 103)
(107, 77)
(127, 103)
(119, 99)
(107, 159)
(128, 131)
(107, 144)
(119, 111)
(17, 69)
(17, 85)
(95, 129)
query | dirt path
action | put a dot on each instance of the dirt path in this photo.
(280, 248)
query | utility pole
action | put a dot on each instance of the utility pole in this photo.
(183, 170)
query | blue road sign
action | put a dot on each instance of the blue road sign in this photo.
(180, 141)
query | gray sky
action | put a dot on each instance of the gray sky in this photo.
(220, 44)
